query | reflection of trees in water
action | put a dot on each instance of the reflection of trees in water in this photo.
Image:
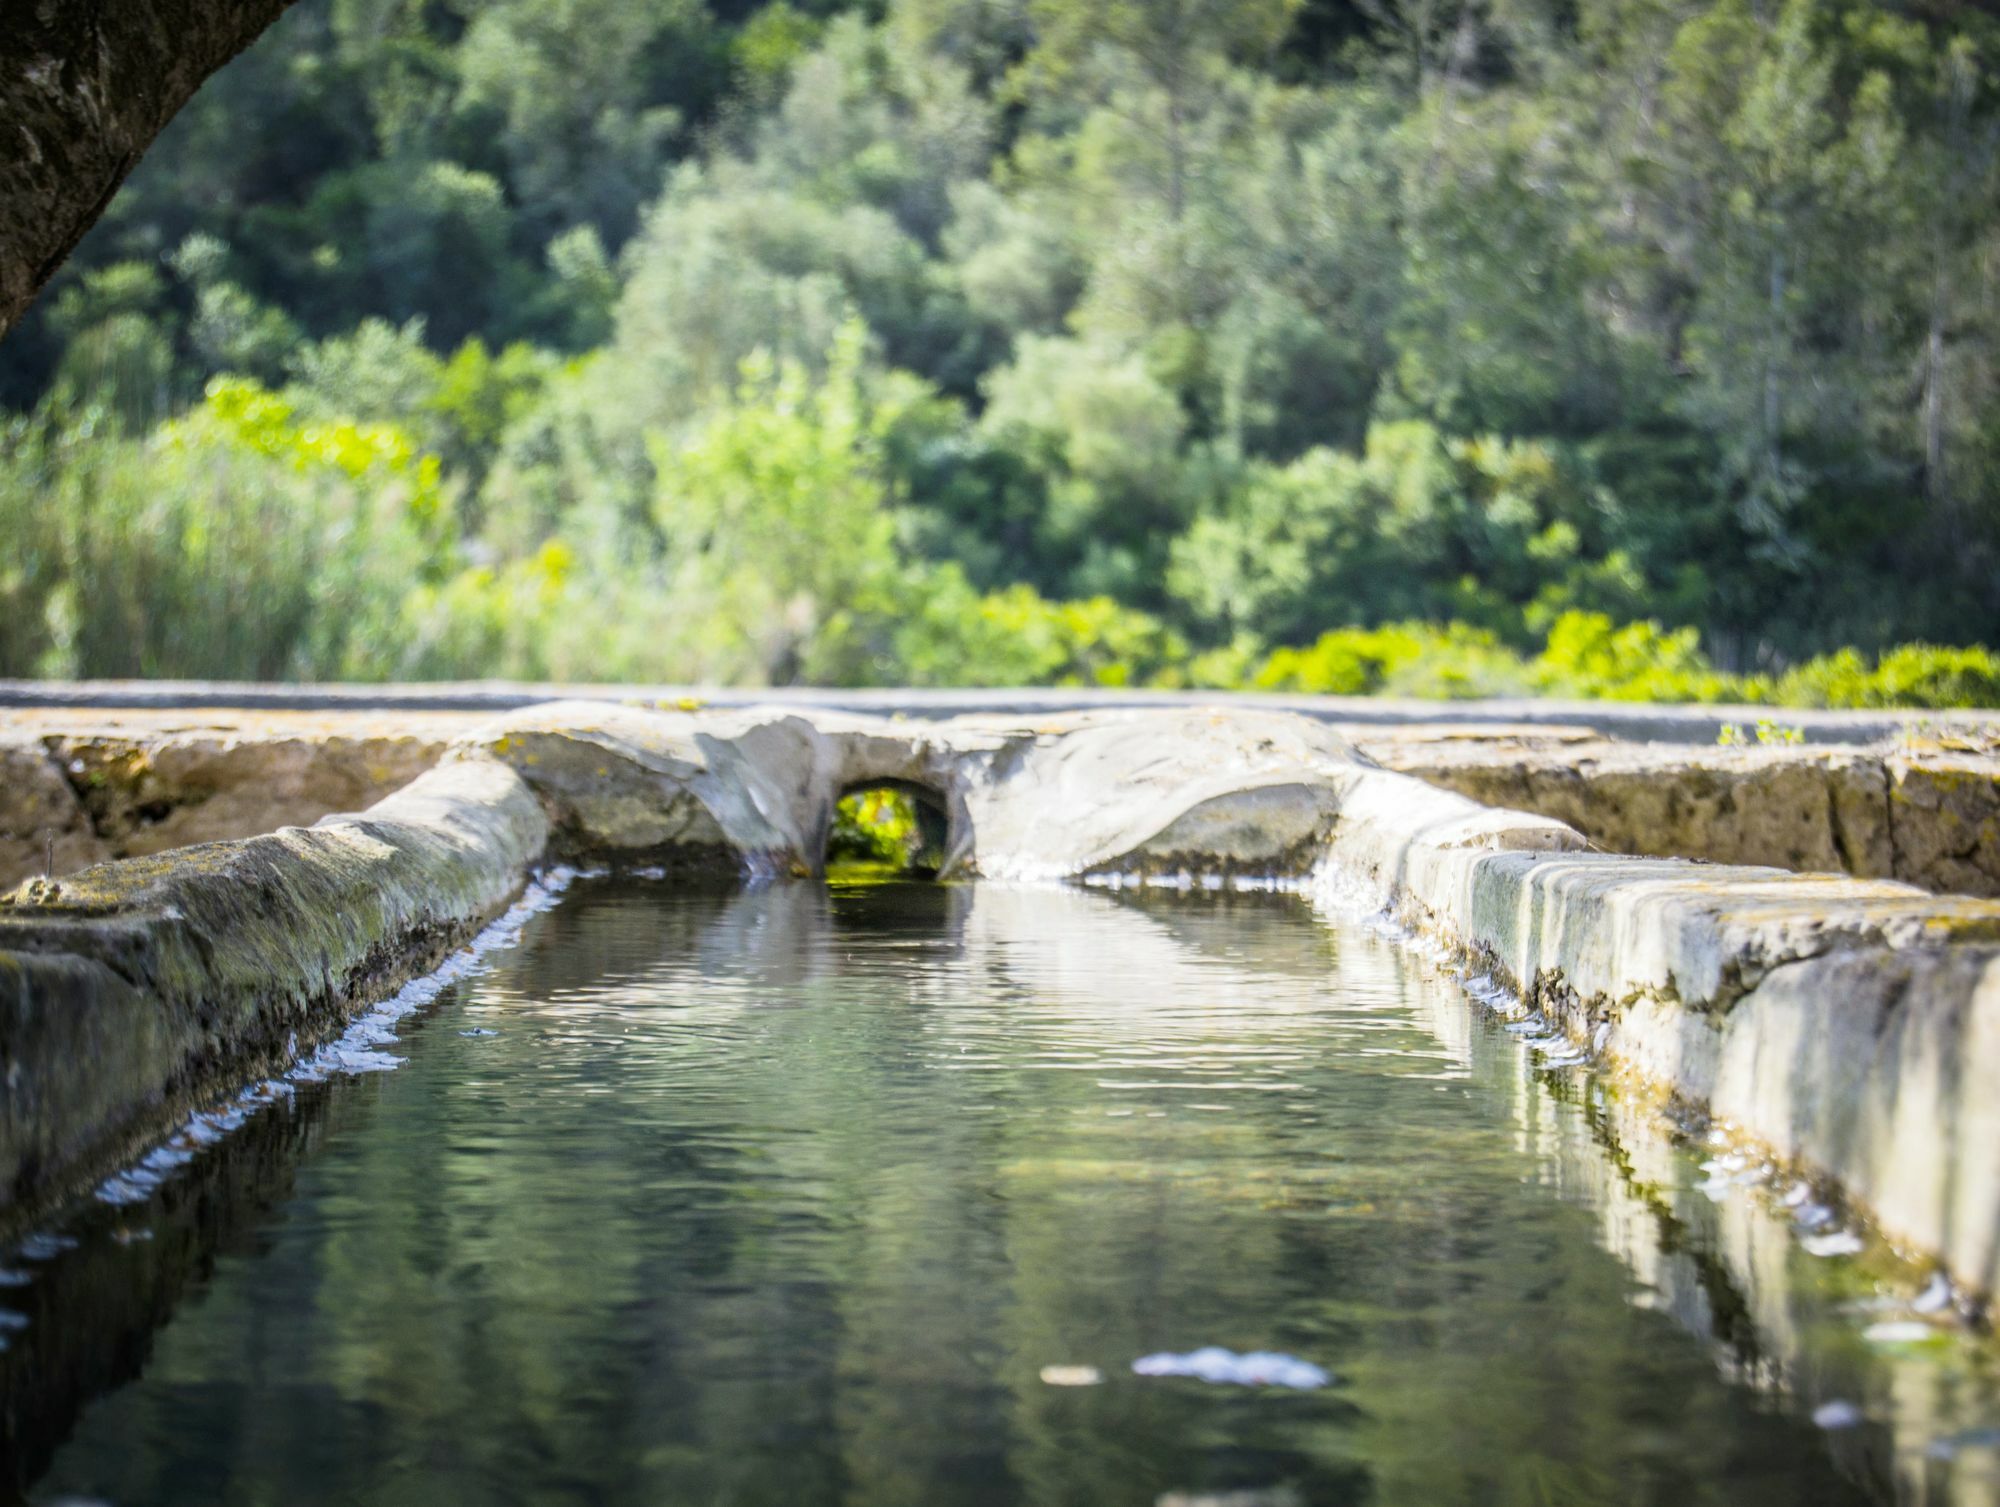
(94, 1311)
(785, 1194)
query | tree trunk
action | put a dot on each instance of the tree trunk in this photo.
(1774, 334)
(85, 86)
(1936, 481)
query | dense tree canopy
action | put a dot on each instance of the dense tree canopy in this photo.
(960, 340)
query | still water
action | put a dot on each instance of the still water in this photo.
(789, 1196)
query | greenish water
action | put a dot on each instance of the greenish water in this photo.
(788, 1196)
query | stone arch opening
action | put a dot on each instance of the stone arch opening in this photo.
(888, 829)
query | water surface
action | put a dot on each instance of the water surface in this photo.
(787, 1196)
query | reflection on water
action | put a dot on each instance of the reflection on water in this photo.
(790, 1196)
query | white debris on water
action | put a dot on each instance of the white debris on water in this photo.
(1898, 1332)
(1838, 1415)
(1835, 1243)
(1071, 1376)
(1936, 1297)
(1183, 879)
(1212, 1363)
(358, 1049)
(126, 1188)
(1729, 1172)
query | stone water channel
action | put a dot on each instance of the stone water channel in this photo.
(697, 1178)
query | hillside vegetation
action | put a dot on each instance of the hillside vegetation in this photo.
(1636, 348)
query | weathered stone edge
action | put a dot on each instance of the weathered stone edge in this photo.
(1928, 818)
(1866, 1053)
(134, 991)
(1641, 722)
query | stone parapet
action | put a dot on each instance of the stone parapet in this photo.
(1921, 811)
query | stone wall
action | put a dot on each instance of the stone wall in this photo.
(77, 790)
(131, 991)
(1929, 816)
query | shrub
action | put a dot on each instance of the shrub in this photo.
(1017, 637)
(235, 542)
(1413, 659)
(1915, 675)
(1587, 655)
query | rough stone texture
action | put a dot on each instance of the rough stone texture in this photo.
(1928, 814)
(142, 783)
(1109, 793)
(1885, 1068)
(131, 988)
(1944, 821)
(84, 89)
(624, 782)
(1049, 798)
(1929, 818)
(147, 799)
(42, 824)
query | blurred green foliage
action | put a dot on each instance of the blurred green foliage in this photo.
(875, 829)
(1601, 349)
(1586, 655)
